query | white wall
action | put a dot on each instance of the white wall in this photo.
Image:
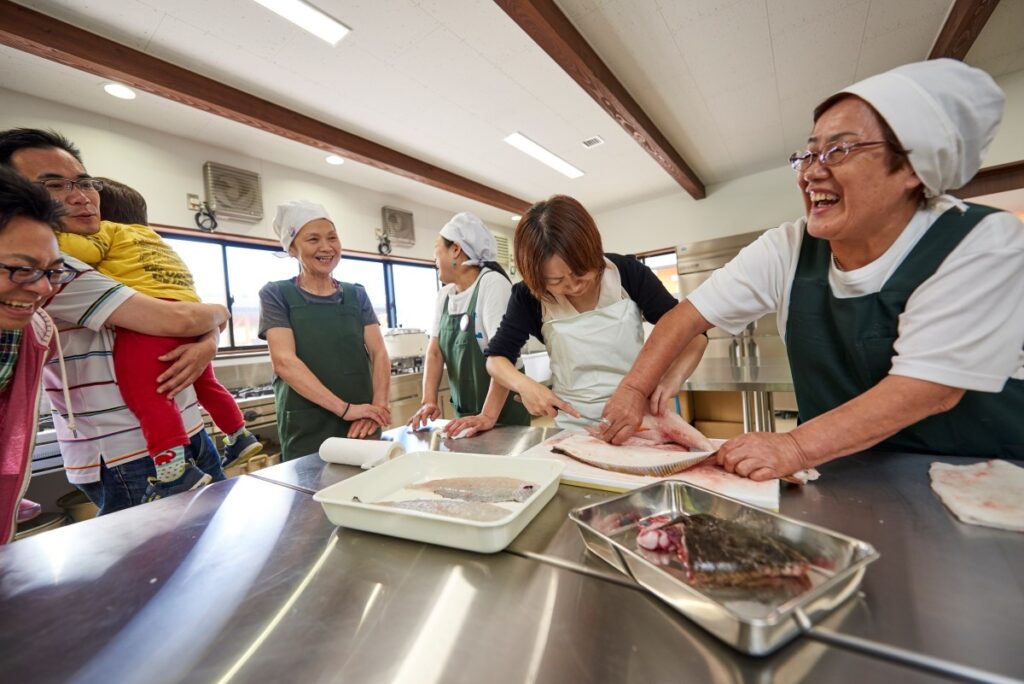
(164, 168)
(761, 200)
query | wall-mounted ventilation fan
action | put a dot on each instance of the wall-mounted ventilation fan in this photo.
(233, 193)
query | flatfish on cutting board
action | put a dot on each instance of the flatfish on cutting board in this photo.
(485, 489)
(467, 510)
(654, 461)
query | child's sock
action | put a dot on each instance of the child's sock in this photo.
(240, 432)
(170, 464)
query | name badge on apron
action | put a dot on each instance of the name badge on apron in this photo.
(464, 322)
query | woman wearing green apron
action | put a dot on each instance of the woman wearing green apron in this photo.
(587, 307)
(469, 309)
(332, 372)
(901, 306)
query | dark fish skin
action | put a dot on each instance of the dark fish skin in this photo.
(718, 552)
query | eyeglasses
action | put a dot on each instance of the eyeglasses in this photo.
(25, 275)
(833, 156)
(63, 186)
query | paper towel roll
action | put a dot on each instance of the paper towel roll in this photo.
(364, 453)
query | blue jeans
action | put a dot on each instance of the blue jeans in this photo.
(123, 486)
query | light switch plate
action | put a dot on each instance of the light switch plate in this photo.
(193, 202)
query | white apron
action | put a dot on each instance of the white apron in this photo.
(590, 354)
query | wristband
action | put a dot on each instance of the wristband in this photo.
(348, 405)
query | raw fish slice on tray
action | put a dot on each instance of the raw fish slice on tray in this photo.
(467, 510)
(484, 489)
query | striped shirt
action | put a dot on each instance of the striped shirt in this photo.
(105, 428)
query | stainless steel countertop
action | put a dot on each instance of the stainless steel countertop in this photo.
(247, 581)
(722, 374)
(941, 588)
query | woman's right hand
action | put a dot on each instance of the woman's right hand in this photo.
(541, 401)
(368, 412)
(427, 412)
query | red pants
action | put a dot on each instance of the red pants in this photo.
(137, 367)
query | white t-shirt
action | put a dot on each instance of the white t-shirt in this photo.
(491, 303)
(963, 327)
(106, 428)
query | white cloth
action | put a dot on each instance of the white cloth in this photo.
(963, 327)
(944, 112)
(470, 233)
(105, 427)
(590, 354)
(491, 303)
(292, 216)
(362, 453)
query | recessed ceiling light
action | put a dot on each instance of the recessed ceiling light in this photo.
(515, 217)
(309, 18)
(334, 160)
(119, 91)
(524, 144)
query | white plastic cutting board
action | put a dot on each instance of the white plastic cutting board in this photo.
(763, 494)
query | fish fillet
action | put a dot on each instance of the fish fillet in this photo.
(653, 460)
(720, 552)
(467, 510)
(670, 428)
(485, 489)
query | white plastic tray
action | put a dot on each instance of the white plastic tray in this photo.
(384, 481)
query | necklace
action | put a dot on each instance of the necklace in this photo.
(835, 262)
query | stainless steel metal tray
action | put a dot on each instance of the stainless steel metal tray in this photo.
(755, 620)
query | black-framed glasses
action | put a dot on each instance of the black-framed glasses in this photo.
(833, 156)
(25, 275)
(63, 186)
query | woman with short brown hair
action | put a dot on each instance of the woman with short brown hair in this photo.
(587, 308)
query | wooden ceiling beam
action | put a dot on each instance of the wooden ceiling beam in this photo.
(44, 36)
(963, 24)
(994, 179)
(545, 23)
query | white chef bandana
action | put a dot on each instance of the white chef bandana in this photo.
(292, 216)
(945, 112)
(473, 237)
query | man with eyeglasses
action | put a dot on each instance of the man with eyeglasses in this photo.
(902, 307)
(30, 267)
(103, 449)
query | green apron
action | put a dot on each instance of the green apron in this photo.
(840, 348)
(467, 368)
(329, 340)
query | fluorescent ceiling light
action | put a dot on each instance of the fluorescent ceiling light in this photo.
(334, 160)
(524, 144)
(309, 18)
(515, 217)
(122, 92)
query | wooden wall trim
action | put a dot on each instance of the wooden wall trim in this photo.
(545, 23)
(44, 36)
(963, 24)
(994, 179)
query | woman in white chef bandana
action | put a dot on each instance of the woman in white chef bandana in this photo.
(587, 308)
(468, 312)
(332, 372)
(902, 307)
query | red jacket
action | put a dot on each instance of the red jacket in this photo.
(19, 412)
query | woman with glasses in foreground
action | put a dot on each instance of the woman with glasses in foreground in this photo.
(902, 307)
(30, 269)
